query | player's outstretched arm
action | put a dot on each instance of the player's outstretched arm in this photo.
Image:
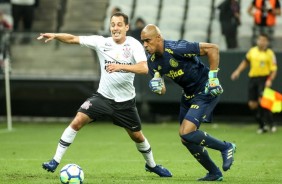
(63, 37)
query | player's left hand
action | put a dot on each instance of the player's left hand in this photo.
(112, 67)
(213, 86)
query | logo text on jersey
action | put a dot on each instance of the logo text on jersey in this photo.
(173, 74)
(190, 55)
(169, 50)
(116, 62)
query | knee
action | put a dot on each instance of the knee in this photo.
(253, 105)
(184, 143)
(76, 125)
(137, 137)
(187, 127)
(79, 121)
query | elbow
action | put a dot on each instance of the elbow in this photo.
(208, 49)
(74, 40)
(145, 69)
(216, 48)
(212, 50)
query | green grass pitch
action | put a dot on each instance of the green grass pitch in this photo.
(107, 155)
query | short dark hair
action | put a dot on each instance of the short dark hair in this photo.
(117, 9)
(120, 14)
(139, 19)
(264, 35)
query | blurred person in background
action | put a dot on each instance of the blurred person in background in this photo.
(120, 57)
(229, 17)
(138, 26)
(106, 28)
(264, 13)
(6, 20)
(5, 25)
(23, 11)
(263, 68)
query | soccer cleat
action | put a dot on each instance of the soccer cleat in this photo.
(212, 177)
(261, 131)
(50, 166)
(228, 156)
(273, 129)
(159, 170)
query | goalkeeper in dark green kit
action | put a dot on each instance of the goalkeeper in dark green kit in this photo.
(179, 61)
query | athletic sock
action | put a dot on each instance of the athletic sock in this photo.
(201, 138)
(145, 149)
(268, 117)
(65, 141)
(202, 156)
(260, 117)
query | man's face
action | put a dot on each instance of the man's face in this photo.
(262, 42)
(150, 42)
(118, 29)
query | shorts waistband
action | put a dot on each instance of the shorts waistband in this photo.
(188, 96)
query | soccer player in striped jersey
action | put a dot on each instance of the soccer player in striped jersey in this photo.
(180, 61)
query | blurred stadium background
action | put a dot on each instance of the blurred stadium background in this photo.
(52, 80)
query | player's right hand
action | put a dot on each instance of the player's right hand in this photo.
(48, 36)
(156, 85)
(235, 75)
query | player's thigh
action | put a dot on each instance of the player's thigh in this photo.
(261, 85)
(252, 90)
(201, 109)
(96, 107)
(255, 88)
(186, 102)
(126, 115)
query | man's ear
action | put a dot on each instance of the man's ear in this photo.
(127, 27)
(159, 37)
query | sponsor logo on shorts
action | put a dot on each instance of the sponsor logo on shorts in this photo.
(86, 105)
(134, 127)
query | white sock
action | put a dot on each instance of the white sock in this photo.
(65, 141)
(145, 149)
